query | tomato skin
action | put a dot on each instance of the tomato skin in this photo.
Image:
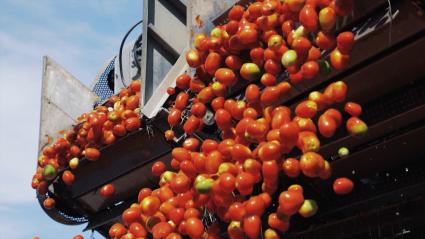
(252, 226)
(233, 62)
(49, 203)
(270, 95)
(291, 167)
(236, 13)
(198, 109)
(174, 116)
(252, 93)
(78, 237)
(327, 126)
(158, 168)
(312, 164)
(212, 63)
(276, 223)
(288, 132)
(181, 100)
(92, 154)
(310, 69)
(223, 119)
(339, 61)
(342, 186)
(137, 230)
(191, 125)
(290, 202)
(181, 154)
(117, 230)
(68, 177)
(227, 182)
(356, 126)
(308, 18)
(335, 115)
(301, 46)
(272, 66)
(325, 41)
(131, 215)
(193, 58)
(194, 227)
(226, 76)
(353, 109)
(191, 144)
(306, 109)
(217, 103)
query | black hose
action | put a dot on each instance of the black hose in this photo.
(122, 45)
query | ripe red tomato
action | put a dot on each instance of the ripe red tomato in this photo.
(131, 215)
(252, 93)
(78, 237)
(213, 161)
(137, 229)
(161, 230)
(234, 62)
(158, 168)
(306, 109)
(181, 100)
(291, 167)
(223, 119)
(117, 230)
(169, 134)
(174, 116)
(353, 109)
(183, 81)
(193, 58)
(212, 63)
(275, 222)
(49, 203)
(180, 154)
(272, 66)
(308, 18)
(236, 13)
(191, 125)
(335, 115)
(225, 76)
(343, 186)
(290, 202)
(132, 124)
(180, 183)
(194, 227)
(310, 69)
(252, 226)
(339, 61)
(217, 103)
(325, 41)
(312, 164)
(227, 182)
(92, 154)
(327, 126)
(68, 177)
(107, 190)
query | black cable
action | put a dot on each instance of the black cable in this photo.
(122, 45)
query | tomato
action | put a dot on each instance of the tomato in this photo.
(78, 237)
(248, 34)
(225, 76)
(276, 223)
(308, 18)
(137, 230)
(227, 182)
(233, 62)
(206, 95)
(312, 164)
(252, 226)
(289, 58)
(269, 151)
(193, 58)
(309, 208)
(180, 154)
(271, 234)
(306, 109)
(238, 109)
(196, 85)
(335, 115)
(92, 154)
(252, 93)
(343, 186)
(169, 135)
(288, 133)
(232, 28)
(356, 126)
(217, 103)
(236, 13)
(250, 71)
(158, 168)
(272, 66)
(275, 42)
(194, 227)
(144, 192)
(68, 177)
(212, 63)
(132, 124)
(327, 18)
(131, 215)
(250, 113)
(325, 41)
(290, 202)
(198, 109)
(191, 125)
(117, 230)
(150, 205)
(291, 167)
(198, 39)
(327, 126)
(353, 109)
(339, 61)
(49, 203)
(255, 206)
(270, 95)
(244, 181)
(270, 171)
(181, 100)
(223, 119)
(161, 230)
(174, 116)
(174, 235)
(301, 46)
(310, 69)
(326, 171)
(213, 161)
(180, 184)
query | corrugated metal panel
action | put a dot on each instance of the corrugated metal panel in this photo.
(63, 99)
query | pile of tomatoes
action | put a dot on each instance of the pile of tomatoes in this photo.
(103, 126)
(267, 47)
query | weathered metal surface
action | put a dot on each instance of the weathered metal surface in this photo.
(63, 99)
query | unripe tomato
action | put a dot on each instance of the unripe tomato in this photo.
(356, 126)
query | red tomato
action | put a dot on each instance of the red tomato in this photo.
(181, 100)
(325, 41)
(169, 135)
(193, 58)
(107, 190)
(291, 167)
(149, 205)
(137, 230)
(290, 202)
(356, 126)
(213, 161)
(92, 154)
(288, 132)
(194, 227)
(217, 103)
(252, 226)
(180, 154)
(301, 45)
(236, 13)
(272, 66)
(68, 177)
(158, 168)
(191, 125)
(306, 109)
(255, 206)
(223, 119)
(335, 115)
(225, 76)
(252, 93)
(275, 222)
(161, 230)
(174, 116)
(310, 69)
(327, 126)
(353, 109)
(308, 18)
(49, 203)
(131, 215)
(78, 237)
(233, 62)
(312, 164)
(343, 186)
(338, 60)
(227, 182)
(180, 183)
(183, 81)
(117, 230)
(270, 95)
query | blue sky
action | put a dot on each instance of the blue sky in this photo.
(80, 36)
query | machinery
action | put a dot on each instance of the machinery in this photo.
(386, 75)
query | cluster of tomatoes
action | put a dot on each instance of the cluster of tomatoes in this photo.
(103, 126)
(237, 177)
